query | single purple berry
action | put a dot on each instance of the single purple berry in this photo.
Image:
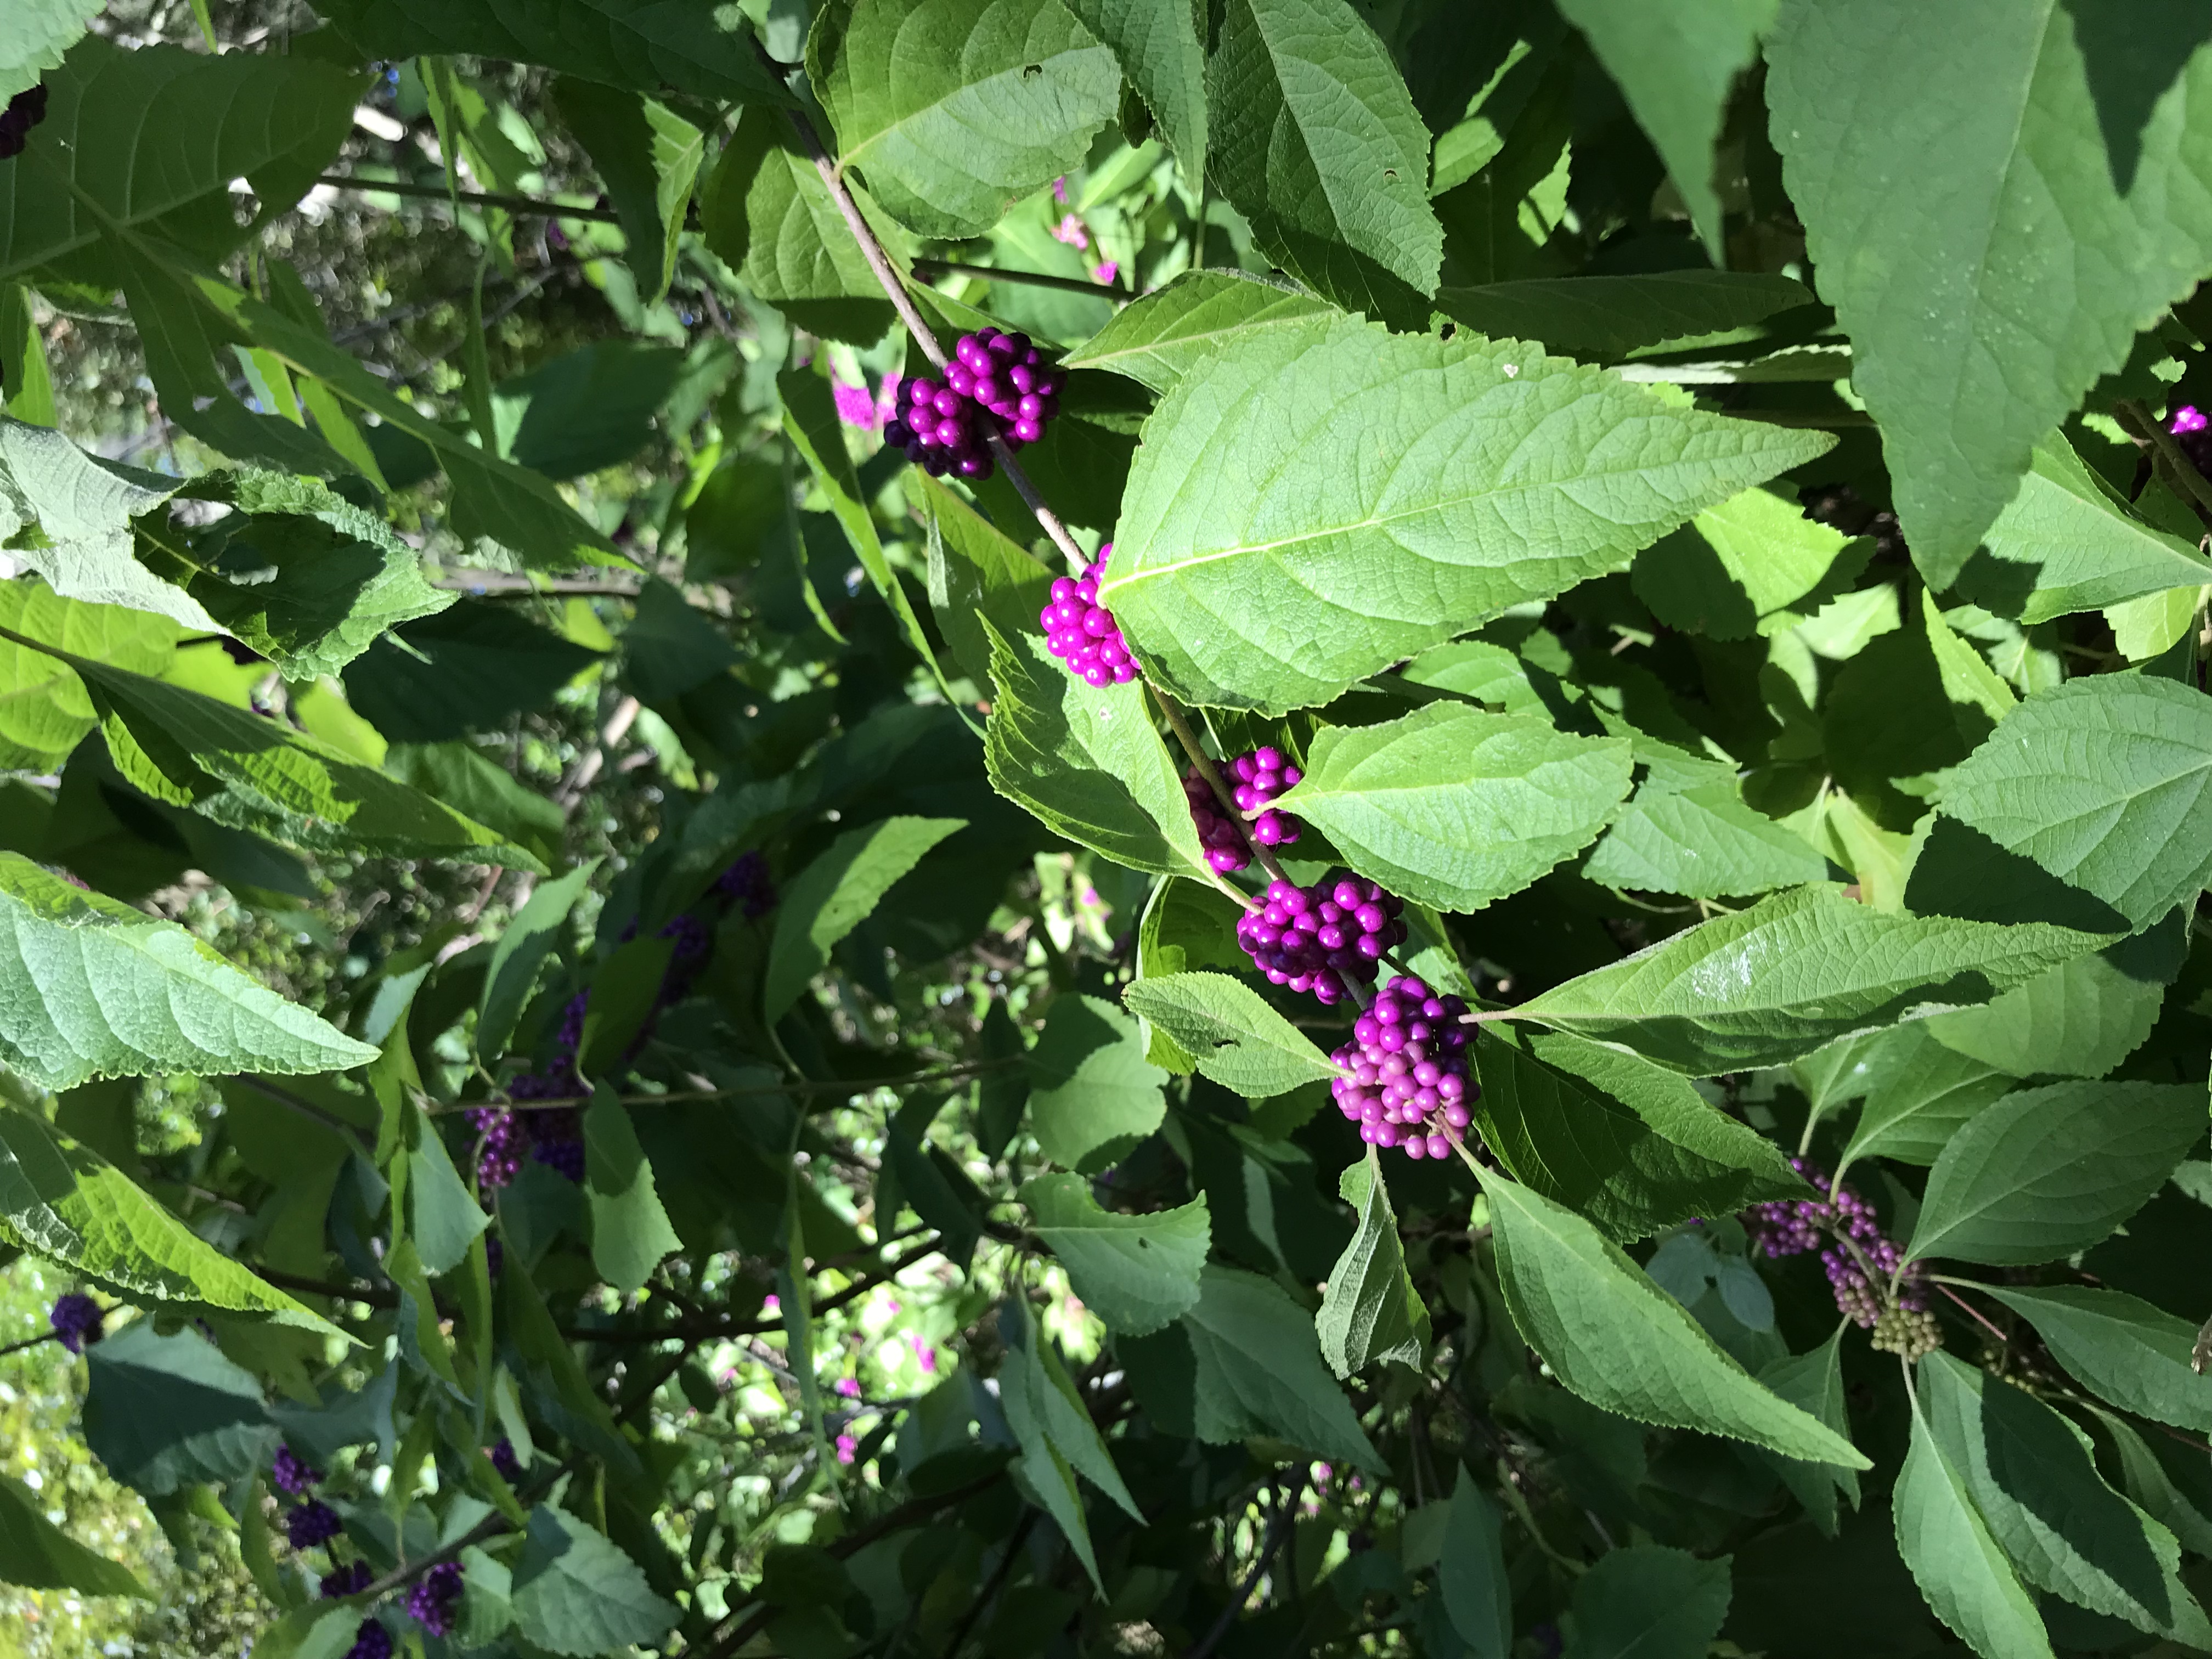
(77, 1320)
(292, 1474)
(436, 1601)
(313, 1523)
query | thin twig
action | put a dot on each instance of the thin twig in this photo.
(490, 1527)
(999, 1574)
(676, 1097)
(30, 1342)
(1974, 1313)
(1278, 1529)
(522, 204)
(1029, 278)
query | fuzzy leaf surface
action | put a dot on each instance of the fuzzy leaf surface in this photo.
(1238, 1039)
(1159, 338)
(2131, 1353)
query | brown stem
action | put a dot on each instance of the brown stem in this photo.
(29, 1342)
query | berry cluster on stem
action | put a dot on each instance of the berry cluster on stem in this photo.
(76, 1319)
(1259, 776)
(1082, 633)
(994, 386)
(434, 1602)
(1859, 1258)
(1405, 1081)
(1324, 939)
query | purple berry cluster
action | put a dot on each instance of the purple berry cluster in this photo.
(435, 1602)
(313, 1523)
(1253, 780)
(1082, 633)
(996, 386)
(292, 1474)
(25, 111)
(746, 885)
(350, 1579)
(2192, 431)
(76, 1319)
(1324, 938)
(1405, 1080)
(1794, 1226)
(504, 1460)
(372, 1641)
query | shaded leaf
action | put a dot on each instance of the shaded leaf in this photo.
(2133, 1354)
(574, 1593)
(1093, 1091)
(1370, 1311)
(1137, 1273)
(838, 891)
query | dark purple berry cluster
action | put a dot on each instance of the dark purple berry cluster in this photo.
(1852, 1247)
(1324, 938)
(1405, 1082)
(435, 1602)
(291, 1474)
(746, 885)
(25, 111)
(350, 1579)
(1082, 633)
(1253, 780)
(76, 1319)
(372, 1641)
(996, 386)
(504, 1460)
(313, 1523)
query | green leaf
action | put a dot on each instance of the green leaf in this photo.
(1245, 1362)
(1704, 841)
(1647, 1601)
(467, 669)
(1509, 477)
(644, 45)
(1317, 142)
(1814, 1382)
(1160, 337)
(630, 1230)
(2034, 165)
(1926, 1092)
(649, 156)
(1618, 1340)
(1058, 1438)
(1471, 1572)
(45, 712)
(443, 1215)
(1609, 318)
(42, 30)
(836, 893)
(2080, 1019)
(1979, 694)
(953, 110)
(469, 781)
(1454, 806)
(2048, 1171)
(534, 930)
(1238, 1039)
(130, 136)
(1093, 1093)
(976, 574)
(1158, 45)
(2131, 1353)
(1754, 565)
(36, 1554)
(1792, 973)
(576, 1594)
(164, 1413)
(2066, 543)
(2029, 1473)
(97, 988)
(1138, 1273)
(2105, 781)
(1370, 1311)
(1632, 1146)
(248, 773)
(586, 410)
(1087, 760)
(1957, 1565)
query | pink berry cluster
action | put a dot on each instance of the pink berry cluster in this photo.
(997, 385)
(1794, 1226)
(1405, 1080)
(1324, 938)
(1082, 633)
(1253, 780)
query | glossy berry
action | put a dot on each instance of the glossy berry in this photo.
(997, 385)
(373, 1641)
(25, 111)
(76, 1320)
(1257, 779)
(313, 1523)
(436, 1601)
(1082, 633)
(1854, 1243)
(350, 1579)
(1405, 1079)
(292, 1474)
(1324, 938)
(2192, 431)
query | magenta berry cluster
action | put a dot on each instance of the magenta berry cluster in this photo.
(1405, 1081)
(1253, 780)
(76, 1320)
(1082, 633)
(1324, 938)
(291, 1474)
(313, 1523)
(25, 111)
(434, 1603)
(997, 385)
(1794, 1226)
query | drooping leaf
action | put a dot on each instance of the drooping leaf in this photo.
(2080, 1019)
(978, 575)
(1370, 1311)
(836, 892)
(2036, 166)
(2029, 1473)
(1793, 973)
(1158, 339)
(1236, 1039)
(163, 1412)
(1454, 807)
(443, 1214)
(95, 987)
(574, 1593)
(1702, 842)
(1093, 1091)
(1957, 1565)
(1609, 318)
(2105, 781)
(644, 45)
(630, 1229)
(534, 930)
(1161, 48)
(67, 515)
(1925, 1093)
(1087, 760)
(1058, 1438)
(2131, 1353)
(1815, 1383)
(1648, 1602)
(42, 31)
(1754, 565)
(471, 668)
(44, 710)
(1471, 1572)
(1618, 1340)
(649, 156)
(2048, 1171)
(587, 408)
(36, 1554)
(1138, 1273)
(952, 109)
(1389, 492)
